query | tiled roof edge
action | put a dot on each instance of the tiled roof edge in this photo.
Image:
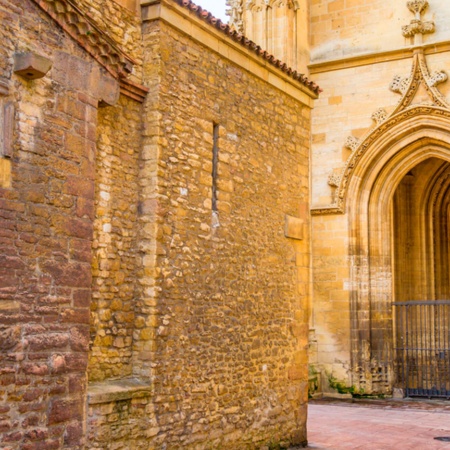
(245, 42)
(96, 42)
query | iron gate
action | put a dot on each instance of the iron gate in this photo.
(422, 347)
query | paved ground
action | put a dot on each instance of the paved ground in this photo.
(378, 425)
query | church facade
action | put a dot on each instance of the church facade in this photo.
(204, 224)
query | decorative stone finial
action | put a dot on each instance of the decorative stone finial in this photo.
(235, 14)
(334, 180)
(417, 7)
(417, 28)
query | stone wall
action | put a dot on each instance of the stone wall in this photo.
(46, 228)
(189, 271)
(115, 264)
(231, 290)
(222, 300)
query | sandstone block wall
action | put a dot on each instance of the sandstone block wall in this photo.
(346, 28)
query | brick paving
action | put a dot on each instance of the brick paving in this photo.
(378, 424)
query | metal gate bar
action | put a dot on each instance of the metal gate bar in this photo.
(422, 347)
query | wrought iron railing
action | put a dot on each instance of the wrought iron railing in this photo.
(422, 347)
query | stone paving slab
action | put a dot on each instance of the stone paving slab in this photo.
(382, 425)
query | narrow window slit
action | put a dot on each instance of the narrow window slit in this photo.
(215, 164)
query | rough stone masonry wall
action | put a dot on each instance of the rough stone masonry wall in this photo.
(229, 359)
(46, 224)
(115, 253)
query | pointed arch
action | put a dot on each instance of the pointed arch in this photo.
(373, 174)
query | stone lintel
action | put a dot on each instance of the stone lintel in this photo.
(115, 390)
(31, 65)
(293, 227)
(367, 59)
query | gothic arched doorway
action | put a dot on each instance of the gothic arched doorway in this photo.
(398, 220)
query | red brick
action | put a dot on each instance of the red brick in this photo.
(36, 434)
(69, 274)
(79, 337)
(49, 341)
(35, 369)
(47, 445)
(77, 384)
(64, 410)
(11, 262)
(11, 206)
(32, 394)
(75, 316)
(85, 208)
(12, 437)
(74, 435)
(31, 420)
(82, 298)
(79, 187)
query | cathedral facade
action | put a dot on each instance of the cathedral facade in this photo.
(204, 224)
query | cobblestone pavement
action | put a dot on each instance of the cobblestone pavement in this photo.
(378, 424)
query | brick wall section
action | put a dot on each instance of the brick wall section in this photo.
(115, 253)
(230, 303)
(46, 225)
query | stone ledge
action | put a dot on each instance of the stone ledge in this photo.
(345, 63)
(115, 390)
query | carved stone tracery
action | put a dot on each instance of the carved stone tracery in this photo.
(235, 14)
(417, 26)
(407, 87)
(399, 84)
(352, 143)
(379, 116)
